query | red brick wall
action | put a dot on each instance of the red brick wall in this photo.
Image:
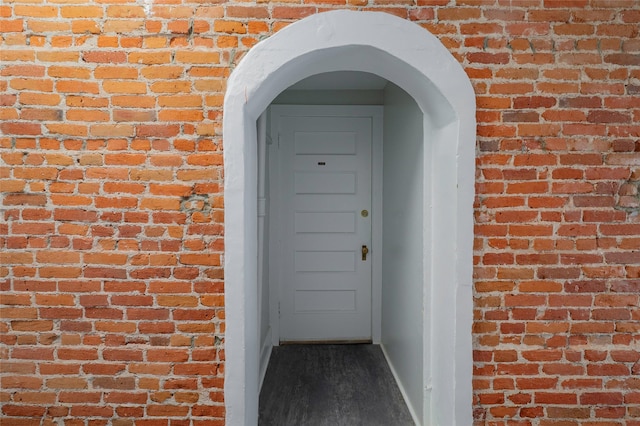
(112, 208)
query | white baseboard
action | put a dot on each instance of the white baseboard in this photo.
(412, 411)
(265, 355)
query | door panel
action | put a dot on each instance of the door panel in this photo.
(324, 182)
(325, 222)
(325, 185)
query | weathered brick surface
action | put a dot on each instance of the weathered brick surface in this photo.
(112, 207)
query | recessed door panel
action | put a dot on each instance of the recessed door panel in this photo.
(336, 143)
(325, 222)
(325, 301)
(325, 261)
(325, 183)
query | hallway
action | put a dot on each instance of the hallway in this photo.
(343, 385)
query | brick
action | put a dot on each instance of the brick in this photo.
(601, 398)
(565, 4)
(23, 410)
(80, 397)
(608, 117)
(157, 130)
(20, 128)
(74, 86)
(555, 412)
(128, 87)
(25, 199)
(623, 59)
(197, 57)
(286, 12)
(58, 56)
(167, 410)
(119, 383)
(229, 27)
(180, 115)
(110, 120)
(37, 85)
(104, 57)
(149, 58)
(488, 58)
(12, 26)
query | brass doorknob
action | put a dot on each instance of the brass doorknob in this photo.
(365, 251)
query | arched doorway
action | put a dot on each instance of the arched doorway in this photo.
(414, 60)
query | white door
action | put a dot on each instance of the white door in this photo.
(325, 170)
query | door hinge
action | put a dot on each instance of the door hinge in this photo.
(278, 309)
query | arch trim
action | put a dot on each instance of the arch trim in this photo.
(415, 60)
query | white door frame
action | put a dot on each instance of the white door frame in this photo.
(412, 58)
(375, 113)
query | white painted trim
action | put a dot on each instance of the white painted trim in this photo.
(261, 127)
(415, 60)
(376, 114)
(265, 355)
(429, 324)
(376, 226)
(403, 391)
(275, 240)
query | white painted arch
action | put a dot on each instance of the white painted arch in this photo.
(415, 60)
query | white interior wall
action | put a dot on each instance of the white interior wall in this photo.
(402, 243)
(264, 278)
(263, 290)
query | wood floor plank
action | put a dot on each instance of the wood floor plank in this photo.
(337, 385)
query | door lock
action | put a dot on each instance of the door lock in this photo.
(365, 251)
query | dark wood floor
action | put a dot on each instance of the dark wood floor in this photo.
(337, 385)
